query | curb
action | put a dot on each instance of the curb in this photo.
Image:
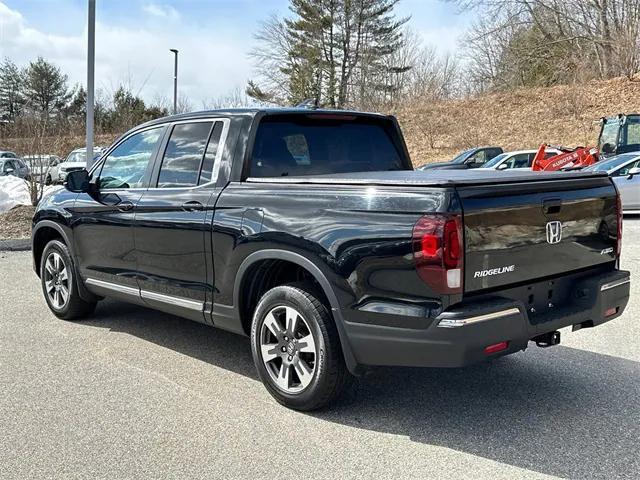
(15, 245)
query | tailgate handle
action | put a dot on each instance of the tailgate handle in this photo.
(551, 206)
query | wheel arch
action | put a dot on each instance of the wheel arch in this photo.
(248, 265)
(43, 232)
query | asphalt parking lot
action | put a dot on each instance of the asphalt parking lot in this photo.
(134, 393)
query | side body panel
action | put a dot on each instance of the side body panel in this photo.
(359, 237)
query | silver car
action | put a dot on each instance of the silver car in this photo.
(625, 171)
(10, 164)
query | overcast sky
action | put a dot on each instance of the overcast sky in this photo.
(133, 38)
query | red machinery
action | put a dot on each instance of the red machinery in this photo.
(569, 159)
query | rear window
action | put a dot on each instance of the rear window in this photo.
(315, 146)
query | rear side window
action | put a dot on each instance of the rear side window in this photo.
(184, 155)
(314, 146)
(207, 172)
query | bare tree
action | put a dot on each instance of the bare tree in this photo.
(524, 42)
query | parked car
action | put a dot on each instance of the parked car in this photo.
(10, 164)
(517, 160)
(44, 167)
(76, 160)
(472, 158)
(309, 232)
(624, 169)
(8, 154)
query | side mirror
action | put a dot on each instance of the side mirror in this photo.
(9, 171)
(608, 148)
(78, 181)
(53, 163)
(633, 171)
(502, 166)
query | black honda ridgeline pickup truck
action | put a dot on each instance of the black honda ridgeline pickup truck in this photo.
(309, 231)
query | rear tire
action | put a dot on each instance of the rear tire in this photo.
(296, 348)
(58, 279)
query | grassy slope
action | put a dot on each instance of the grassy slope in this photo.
(524, 118)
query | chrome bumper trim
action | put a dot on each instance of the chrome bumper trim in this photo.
(461, 322)
(617, 283)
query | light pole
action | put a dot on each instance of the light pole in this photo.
(91, 51)
(175, 80)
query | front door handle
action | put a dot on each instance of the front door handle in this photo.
(125, 206)
(192, 206)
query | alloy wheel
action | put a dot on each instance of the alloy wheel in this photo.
(288, 349)
(56, 280)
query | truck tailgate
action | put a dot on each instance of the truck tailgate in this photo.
(521, 232)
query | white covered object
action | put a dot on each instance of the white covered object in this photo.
(13, 191)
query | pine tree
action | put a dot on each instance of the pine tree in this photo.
(11, 90)
(334, 51)
(46, 87)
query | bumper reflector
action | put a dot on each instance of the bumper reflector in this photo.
(610, 311)
(496, 347)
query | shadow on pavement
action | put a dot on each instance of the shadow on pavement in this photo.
(561, 411)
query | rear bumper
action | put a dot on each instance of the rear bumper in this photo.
(459, 336)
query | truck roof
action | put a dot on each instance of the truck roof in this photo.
(252, 112)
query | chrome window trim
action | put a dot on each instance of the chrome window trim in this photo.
(617, 283)
(461, 322)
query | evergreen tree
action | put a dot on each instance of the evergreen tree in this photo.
(11, 90)
(46, 87)
(336, 52)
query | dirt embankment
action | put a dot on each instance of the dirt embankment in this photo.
(16, 223)
(524, 118)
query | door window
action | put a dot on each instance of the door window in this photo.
(624, 171)
(184, 154)
(126, 165)
(520, 160)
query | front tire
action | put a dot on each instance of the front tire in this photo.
(58, 280)
(296, 348)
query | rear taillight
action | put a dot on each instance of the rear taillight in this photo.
(619, 215)
(438, 252)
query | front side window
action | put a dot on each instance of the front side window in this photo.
(624, 171)
(184, 154)
(523, 160)
(479, 158)
(126, 165)
(609, 135)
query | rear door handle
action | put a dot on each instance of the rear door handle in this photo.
(125, 206)
(192, 206)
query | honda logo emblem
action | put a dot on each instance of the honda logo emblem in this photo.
(554, 232)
